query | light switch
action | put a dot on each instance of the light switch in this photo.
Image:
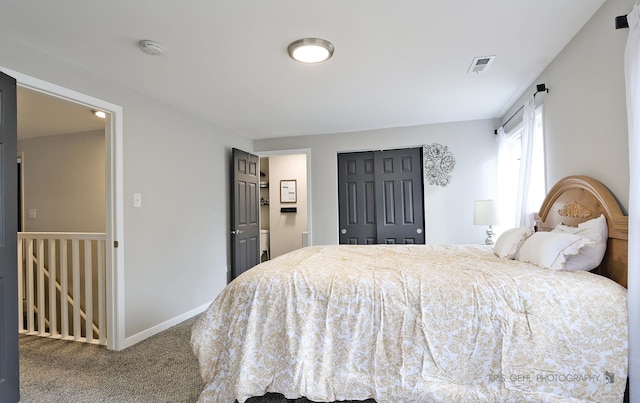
(32, 213)
(137, 200)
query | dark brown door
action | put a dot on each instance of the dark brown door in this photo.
(9, 376)
(380, 195)
(245, 204)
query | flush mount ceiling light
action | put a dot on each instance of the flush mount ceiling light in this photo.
(99, 114)
(310, 50)
(149, 47)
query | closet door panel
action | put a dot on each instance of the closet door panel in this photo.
(399, 175)
(356, 198)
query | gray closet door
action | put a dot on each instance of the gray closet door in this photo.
(356, 198)
(380, 196)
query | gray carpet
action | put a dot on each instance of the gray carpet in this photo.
(161, 368)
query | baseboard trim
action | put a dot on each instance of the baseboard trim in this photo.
(145, 334)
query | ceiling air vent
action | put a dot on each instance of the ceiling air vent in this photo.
(480, 64)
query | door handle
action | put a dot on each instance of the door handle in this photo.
(344, 231)
(237, 232)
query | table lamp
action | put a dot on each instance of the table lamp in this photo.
(486, 213)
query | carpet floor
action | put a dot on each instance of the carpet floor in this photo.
(161, 368)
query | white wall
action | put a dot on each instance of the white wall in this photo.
(286, 228)
(177, 245)
(448, 210)
(586, 124)
(585, 120)
(64, 182)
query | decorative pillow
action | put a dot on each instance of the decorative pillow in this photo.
(549, 250)
(589, 257)
(510, 241)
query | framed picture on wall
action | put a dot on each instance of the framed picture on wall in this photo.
(288, 191)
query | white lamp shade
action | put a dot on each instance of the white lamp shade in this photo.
(485, 212)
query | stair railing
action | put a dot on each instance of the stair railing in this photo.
(64, 308)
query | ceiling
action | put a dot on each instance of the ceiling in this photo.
(43, 115)
(396, 63)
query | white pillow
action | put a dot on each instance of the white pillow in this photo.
(549, 250)
(589, 257)
(510, 241)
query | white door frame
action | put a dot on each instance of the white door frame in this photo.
(114, 179)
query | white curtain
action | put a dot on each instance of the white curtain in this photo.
(524, 207)
(632, 79)
(505, 195)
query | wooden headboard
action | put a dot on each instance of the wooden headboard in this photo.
(576, 199)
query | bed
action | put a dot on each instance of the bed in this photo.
(429, 323)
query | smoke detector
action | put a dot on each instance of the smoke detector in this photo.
(150, 47)
(480, 64)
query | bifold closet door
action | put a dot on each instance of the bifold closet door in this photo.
(399, 196)
(356, 198)
(380, 195)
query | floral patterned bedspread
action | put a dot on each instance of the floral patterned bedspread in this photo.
(413, 323)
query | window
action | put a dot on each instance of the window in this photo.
(509, 173)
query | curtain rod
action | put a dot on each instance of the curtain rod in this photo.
(539, 88)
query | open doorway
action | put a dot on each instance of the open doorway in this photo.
(113, 203)
(61, 148)
(285, 203)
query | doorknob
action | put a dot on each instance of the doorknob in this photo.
(343, 231)
(419, 230)
(237, 232)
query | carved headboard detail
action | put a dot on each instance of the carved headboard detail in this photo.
(575, 210)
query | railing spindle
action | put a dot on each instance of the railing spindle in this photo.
(102, 333)
(30, 285)
(64, 286)
(53, 304)
(75, 278)
(88, 291)
(40, 288)
(20, 284)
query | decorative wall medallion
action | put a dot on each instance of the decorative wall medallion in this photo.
(575, 210)
(438, 164)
